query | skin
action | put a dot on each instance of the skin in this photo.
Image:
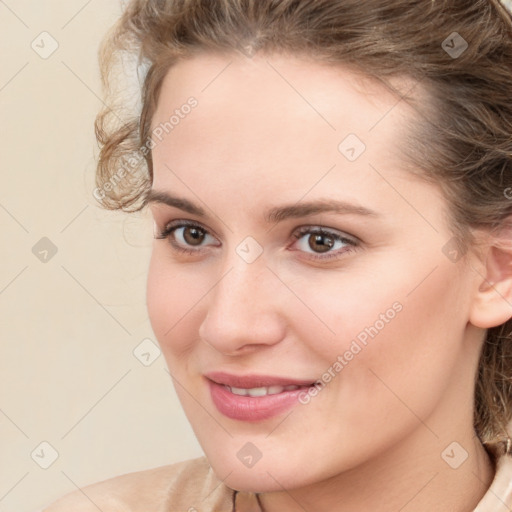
(265, 133)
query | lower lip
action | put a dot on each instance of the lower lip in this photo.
(252, 408)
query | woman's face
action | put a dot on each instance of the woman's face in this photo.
(312, 255)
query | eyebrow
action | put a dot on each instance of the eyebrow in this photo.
(273, 215)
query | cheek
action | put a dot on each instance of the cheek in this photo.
(407, 363)
(173, 298)
(405, 327)
(401, 296)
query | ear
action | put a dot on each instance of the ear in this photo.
(492, 300)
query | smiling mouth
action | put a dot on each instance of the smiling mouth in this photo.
(263, 391)
(254, 398)
(257, 382)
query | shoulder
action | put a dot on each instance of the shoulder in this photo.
(185, 486)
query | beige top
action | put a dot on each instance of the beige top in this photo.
(191, 486)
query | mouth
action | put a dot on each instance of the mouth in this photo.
(262, 391)
(254, 397)
(256, 381)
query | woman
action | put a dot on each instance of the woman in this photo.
(331, 276)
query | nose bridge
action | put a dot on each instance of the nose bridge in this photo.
(243, 308)
(242, 288)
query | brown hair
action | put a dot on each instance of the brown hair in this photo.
(461, 138)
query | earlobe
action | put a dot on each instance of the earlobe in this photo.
(492, 301)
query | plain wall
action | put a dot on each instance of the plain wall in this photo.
(70, 324)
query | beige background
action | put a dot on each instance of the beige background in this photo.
(70, 323)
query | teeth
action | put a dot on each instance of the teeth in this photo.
(257, 391)
(238, 391)
(273, 390)
(270, 390)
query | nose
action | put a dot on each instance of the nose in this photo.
(244, 309)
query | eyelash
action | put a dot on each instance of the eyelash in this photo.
(169, 229)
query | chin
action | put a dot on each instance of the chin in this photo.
(264, 476)
(258, 482)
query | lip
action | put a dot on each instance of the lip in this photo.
(249, 408)
(255, 381)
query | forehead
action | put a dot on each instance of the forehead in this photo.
(276, 94)
(275, 121)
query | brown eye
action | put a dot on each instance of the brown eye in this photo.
(320, 242)
(193, 236)
(187, 238)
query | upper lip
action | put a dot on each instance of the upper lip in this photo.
(254, 381)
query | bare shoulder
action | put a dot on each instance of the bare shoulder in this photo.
(173, 487)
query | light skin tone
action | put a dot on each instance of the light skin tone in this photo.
(265, 134)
